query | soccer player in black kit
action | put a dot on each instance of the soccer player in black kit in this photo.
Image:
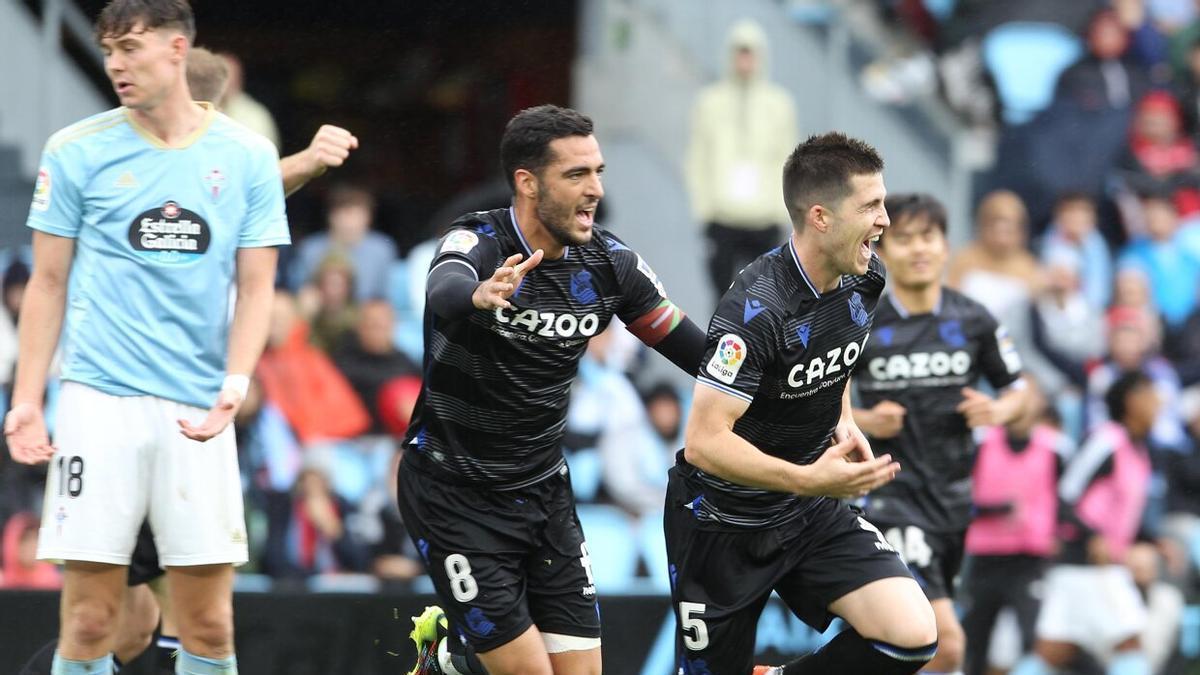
(929, 348)
(513, 297)
(755, 501)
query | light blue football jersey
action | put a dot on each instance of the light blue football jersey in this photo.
(156, 234)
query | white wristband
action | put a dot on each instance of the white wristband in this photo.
(237, 383)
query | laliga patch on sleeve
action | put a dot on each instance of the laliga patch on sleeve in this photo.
(41, 191)
(728, 359)
(1008, 350)
(460, 241)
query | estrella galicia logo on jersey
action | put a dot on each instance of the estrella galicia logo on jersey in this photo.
(170, 233)
(582, 289)
(803, 331)
(858, 311)
(951, 332)
(885, 335)
(752, 309)
(727, 360)
(479, 624)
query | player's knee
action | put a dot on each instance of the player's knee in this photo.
(951, 649)
(918, 629)
(90, 621)
(209, 631)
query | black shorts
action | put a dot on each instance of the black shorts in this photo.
(143, 566)
(502, 561)
(934, 558)
(722, 575)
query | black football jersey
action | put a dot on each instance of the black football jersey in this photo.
(923, 362)
(788, 351)
(493, 404)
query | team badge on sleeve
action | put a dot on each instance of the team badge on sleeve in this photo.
(460, 241)
(1008, 350)
(41, 191)
(728, 359)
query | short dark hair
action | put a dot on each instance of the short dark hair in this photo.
(1116, 399)
(906, 206)
(1073, 197)
(819, 171)
(120, 16)
(527, 137)
(346, 196)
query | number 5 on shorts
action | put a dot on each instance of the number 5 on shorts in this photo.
(462, 584)
(698, 640)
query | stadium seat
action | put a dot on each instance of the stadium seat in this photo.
(586, 473)
(611, 546)
(653, 542)
(1025, 60)
(398, 288)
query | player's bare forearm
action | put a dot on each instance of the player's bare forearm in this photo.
(712, 447)
(1011, 402)
(41, 316)
(251, 315)
(330, 147)
(297, 170)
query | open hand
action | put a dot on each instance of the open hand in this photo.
(505, 281)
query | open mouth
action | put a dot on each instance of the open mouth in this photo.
(123, 87)
(586, 217)
(865, 246)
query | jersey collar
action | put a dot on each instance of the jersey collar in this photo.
(209, 115)
(904, 313)
(791, 246)
(512, 214)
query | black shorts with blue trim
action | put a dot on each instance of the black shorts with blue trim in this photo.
(503, 560)
(722, 575)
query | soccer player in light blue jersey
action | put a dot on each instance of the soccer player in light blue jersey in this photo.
(143, 218)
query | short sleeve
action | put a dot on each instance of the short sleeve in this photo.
(57, 205)
(641, 290)
(466, 246)
(998, 358)
(266, 222)
(740, 346)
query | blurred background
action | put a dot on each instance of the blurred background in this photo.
(1061, 135)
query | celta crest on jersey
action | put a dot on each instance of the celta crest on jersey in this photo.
(170, 233)
(215, 182)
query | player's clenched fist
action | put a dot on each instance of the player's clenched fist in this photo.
(330, 147)
(495, 292)
(835, 475)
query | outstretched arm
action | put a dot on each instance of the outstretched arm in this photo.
(330, 147)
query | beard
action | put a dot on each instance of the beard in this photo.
(559, 219)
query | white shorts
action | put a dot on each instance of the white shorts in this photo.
(1095, 607)
(121, 459)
